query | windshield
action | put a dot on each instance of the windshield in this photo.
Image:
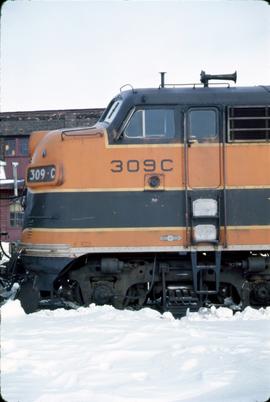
(112, 111)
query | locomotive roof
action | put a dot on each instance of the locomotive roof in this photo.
(199, 95)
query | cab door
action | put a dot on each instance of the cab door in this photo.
(203, 148)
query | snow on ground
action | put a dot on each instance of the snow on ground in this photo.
(101, 354)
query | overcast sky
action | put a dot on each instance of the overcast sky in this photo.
(77, 54)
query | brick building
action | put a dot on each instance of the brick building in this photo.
(15, 129)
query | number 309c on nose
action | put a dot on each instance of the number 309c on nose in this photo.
(41, 174)
(147, 165)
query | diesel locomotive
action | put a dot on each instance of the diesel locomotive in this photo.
(165, 202)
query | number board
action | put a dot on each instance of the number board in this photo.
(41, 174)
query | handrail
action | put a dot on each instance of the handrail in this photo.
(196, 84)
(127, 85)
(95, 134)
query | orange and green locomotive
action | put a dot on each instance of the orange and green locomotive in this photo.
(164, 202)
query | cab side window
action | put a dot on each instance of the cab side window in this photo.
(203, 124)
(151, 123)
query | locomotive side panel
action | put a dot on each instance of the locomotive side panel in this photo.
(248, 184)
(113, 193)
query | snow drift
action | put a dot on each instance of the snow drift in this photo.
(101, 354)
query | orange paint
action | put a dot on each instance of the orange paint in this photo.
(88, 162)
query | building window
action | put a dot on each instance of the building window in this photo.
(2, 148)
(16, 215)
(203, 124)
(249, 123)
(23, 146)
(151, 123)
(10, 147)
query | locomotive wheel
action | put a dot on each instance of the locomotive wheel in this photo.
(136, 296)
(29, 297)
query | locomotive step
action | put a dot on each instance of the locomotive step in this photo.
(181, 295)
(206, 267)
(198, 269)
(179, 300)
